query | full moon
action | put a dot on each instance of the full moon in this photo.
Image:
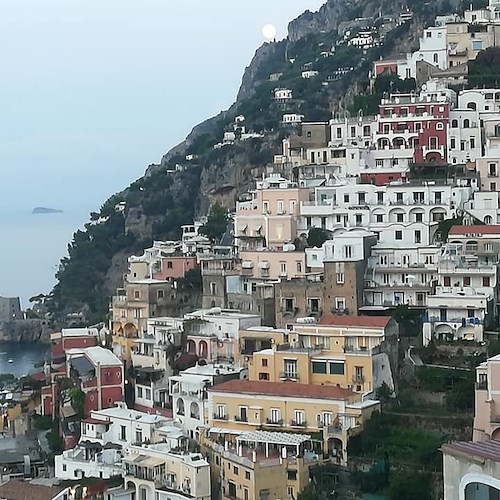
(269, 32)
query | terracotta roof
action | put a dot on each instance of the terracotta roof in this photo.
(479, 229)
(284, 389)
(489, 450)
(362, 321)
(19, 490)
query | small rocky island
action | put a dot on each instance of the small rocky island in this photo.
(45, 210)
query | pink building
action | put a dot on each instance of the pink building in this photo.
(487, 400)
(273, 265)
(174, 267)
(268, 219)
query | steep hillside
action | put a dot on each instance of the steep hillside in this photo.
(194, 174)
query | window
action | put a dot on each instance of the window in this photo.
(336, 368)
(292, 475)
(453, 143)
(299, 417)
(493, 186)
(283, 267)
(472, 142)
(235, 470)
(137, 294)
(314, 305)
(275, 416)
(290, 368)
(213, 288)
(339, 133)
(339, 273)
(361, 198)
(138, 436)
(246, 491)
(123, 433)
(280, 207)
(247, 475)
(466, 280)
(379, 218)
(486, 281)
(263, 362)
(435, 58)
(399, 217)
(399, 197)
(379, 163)
(419, 216)
(454, 123)
(299, 267)
(447, 281)
(439, 126)
(418, 236)
(340, 303)
(289, 305)
(466, 123)
(346, 198)
(263, 376)
(221, 411)
(398, 235)
(148, 393)
(170, 264)
(265, 207)
(348, 251)
(319, 367)
(160, 294)
(353, 131)
(359, 219)
(380, 197)
(139, 392)
(492, 169)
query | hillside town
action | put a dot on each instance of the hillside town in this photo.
(239, 361)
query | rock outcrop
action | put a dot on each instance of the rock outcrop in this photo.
(24, 330)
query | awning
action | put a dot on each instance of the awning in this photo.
(264, 265)
(220, 430)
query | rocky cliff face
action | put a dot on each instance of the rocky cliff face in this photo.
(29, 330)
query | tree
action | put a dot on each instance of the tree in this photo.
(485, 69)
(77, 401)
(317, 236)
(216, 225)
(409, 485)
(409, 320)
(192, 279)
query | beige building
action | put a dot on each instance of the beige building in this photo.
(268, 218)
(353, 352)
(249, 405)
(133, 305)
(273, 265)
(487, 401)
(263, 465)
(471, 470)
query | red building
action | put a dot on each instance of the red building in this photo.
(415, 123)
(175, 266)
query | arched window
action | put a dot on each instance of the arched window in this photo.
(194, 411)
(203, 349)
(488, 219)
(466, 123)
(191, 347)
(454, 123)
(472, 105)
(180, 407)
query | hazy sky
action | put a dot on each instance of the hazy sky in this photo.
(92, 91)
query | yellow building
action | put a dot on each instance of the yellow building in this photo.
(353, 352)
(256, 339)
(261, 464)
(332, 412)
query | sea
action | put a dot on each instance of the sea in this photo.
(31, 247)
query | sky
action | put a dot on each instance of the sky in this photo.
(92, 91)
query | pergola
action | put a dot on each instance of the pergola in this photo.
(281, 440)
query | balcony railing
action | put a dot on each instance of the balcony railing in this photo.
(289, 376)
(295, 423)
(482, 385)
(217, 416)
(359, 379)
(240, 418)
(272, 421)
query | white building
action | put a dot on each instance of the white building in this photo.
(464, 300)
(484, 207)
(464, 136)
(219, 329)
(282, 94)
(292, 118)
(188, 391)
(106, 434)
(309, 73)
(156, 472)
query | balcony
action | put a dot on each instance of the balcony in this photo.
(240, 418)
(482, 385)
(358, 379)
(272, 421)
(289, 376)
(295, 423)
(217, 416)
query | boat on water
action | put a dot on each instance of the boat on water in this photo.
(11, 360)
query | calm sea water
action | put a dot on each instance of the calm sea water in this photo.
(31, 246)
(24, 357)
